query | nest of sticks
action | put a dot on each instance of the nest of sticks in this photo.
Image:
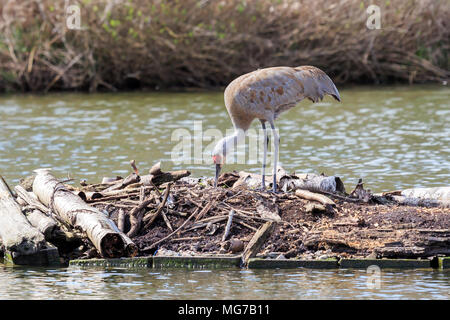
(171, 213)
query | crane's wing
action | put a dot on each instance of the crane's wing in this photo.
(266, 93)
(316, 83)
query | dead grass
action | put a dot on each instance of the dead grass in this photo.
(130, 44)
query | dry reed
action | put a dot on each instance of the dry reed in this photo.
(201, 43)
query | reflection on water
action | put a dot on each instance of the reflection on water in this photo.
(74, 283)
(392, 137)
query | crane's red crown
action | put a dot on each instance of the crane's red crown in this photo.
(218, 159)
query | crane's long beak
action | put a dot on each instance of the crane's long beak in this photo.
(218, 167)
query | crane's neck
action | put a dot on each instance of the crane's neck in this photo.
(225, 145)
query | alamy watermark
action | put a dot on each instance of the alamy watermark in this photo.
(374, 277)
(73, 17)
(374, 19)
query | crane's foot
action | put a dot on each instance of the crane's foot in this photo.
(274, 189)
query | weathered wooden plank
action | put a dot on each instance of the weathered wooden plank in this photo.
(257, 242)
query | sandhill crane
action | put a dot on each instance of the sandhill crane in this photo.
(264, 94)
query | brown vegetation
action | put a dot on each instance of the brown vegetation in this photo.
(130, 44)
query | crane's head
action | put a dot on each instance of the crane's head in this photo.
(222, 148)
(218, 158)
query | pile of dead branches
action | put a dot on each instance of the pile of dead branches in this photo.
(158, 212)
(313, 216)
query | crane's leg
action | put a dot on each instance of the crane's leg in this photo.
(276, 141)
(266, 143)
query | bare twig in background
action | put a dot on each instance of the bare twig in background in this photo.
(202, 46)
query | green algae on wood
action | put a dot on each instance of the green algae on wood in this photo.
(203, 262)
(137, 262)
(44, 257)
(444, 262)
(384, 263)
(258, 263)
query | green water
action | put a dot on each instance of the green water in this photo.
(392, 137)
(74, 283)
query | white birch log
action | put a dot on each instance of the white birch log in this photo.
(312, 182)
(101, 230)
(439, 193)
(424, 197)
(19, 237)
(305, 181)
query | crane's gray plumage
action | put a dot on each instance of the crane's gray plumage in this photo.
(266, 93)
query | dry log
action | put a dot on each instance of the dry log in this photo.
(52, 231)
(202, 223)
(439, 193)
(423, 197)
(256, 242)
(131, 248)
(164, 177)
(45, 224)
(430, 203)
(252, 180)
(19, 237)
(308, 195)
(102, 231)
(238, 221)
(312, 182)
(132, 178)
(228, 227)
(186, 239)
(30, 198)
(50, 227)
(166, 220)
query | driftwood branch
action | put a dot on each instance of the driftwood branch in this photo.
(121, 220)
(18, 236)
(137, 213)
(102, 231)
(257, 242)
(160, 208)
(326, 204)
(228, 226)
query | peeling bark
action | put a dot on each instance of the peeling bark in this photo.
(18, 236)
(102, 231)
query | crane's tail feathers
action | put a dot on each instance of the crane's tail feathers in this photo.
(316, 83)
